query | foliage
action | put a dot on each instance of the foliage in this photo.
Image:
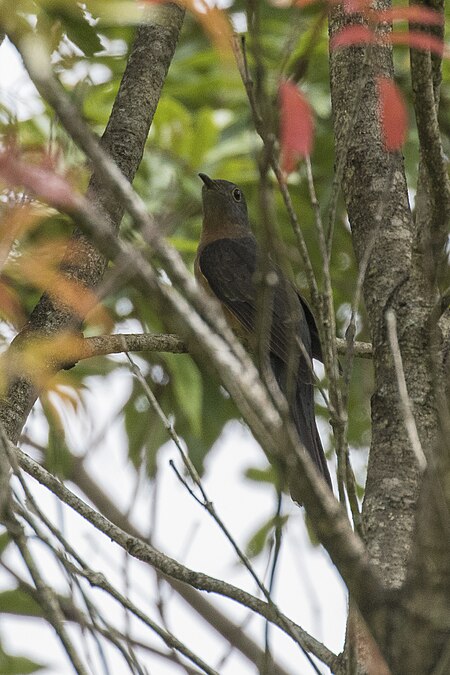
(203, 123)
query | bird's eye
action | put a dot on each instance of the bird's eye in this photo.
(237, 195)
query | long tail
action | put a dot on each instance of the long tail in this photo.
(305, 421)
(302, 410)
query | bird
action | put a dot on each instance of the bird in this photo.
(226, 266)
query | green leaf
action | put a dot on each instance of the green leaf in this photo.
(145, 430)
(258, 542)
(267, 475)
(50, 29)
(217, 409)
(58, 458)
(75, 24)
(188, 390)
(205, 135)
(17, 601)
(120, 12)
(172, 127)
(17, 665)
(183, 245)
(5, 540)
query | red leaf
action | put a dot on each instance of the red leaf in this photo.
(296, 126)
(351, 36)
(393, 114)
(362, 35)
(419, 40)
(37, 178)
(416, 14)
(356, 6)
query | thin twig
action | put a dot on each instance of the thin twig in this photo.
(242, 64)
(99, 580)
(47, 597)
(142, 551)
(345, 475)
(278, 533)
(405, 401)
(205, 502)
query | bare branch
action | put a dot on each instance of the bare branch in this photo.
(146, 553)
(205, 501)
(71, 348)
(224, 626)
(403, 392)
(97, 579)
(47, 597)
(339, 418)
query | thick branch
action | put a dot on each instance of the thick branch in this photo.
(75, 347)
(377, 200)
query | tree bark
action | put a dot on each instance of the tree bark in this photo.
(397, 279)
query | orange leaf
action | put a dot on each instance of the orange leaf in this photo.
(16, 221)
(215, 21)
(10, 306)
(40, 359)
(393, 114)
(41, 269)
(351, 36)
(296, 126)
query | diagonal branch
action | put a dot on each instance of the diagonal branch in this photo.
(47, 597)
(221, 623)
(163, 563)
(78, 568)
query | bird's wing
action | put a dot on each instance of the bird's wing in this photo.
(315, 339)
(229, 266)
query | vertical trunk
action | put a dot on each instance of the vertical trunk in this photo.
(375, 192)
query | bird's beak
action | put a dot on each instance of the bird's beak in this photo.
(207, 180)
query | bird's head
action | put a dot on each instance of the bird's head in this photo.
(223, 203)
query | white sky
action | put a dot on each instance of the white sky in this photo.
(308, 588)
